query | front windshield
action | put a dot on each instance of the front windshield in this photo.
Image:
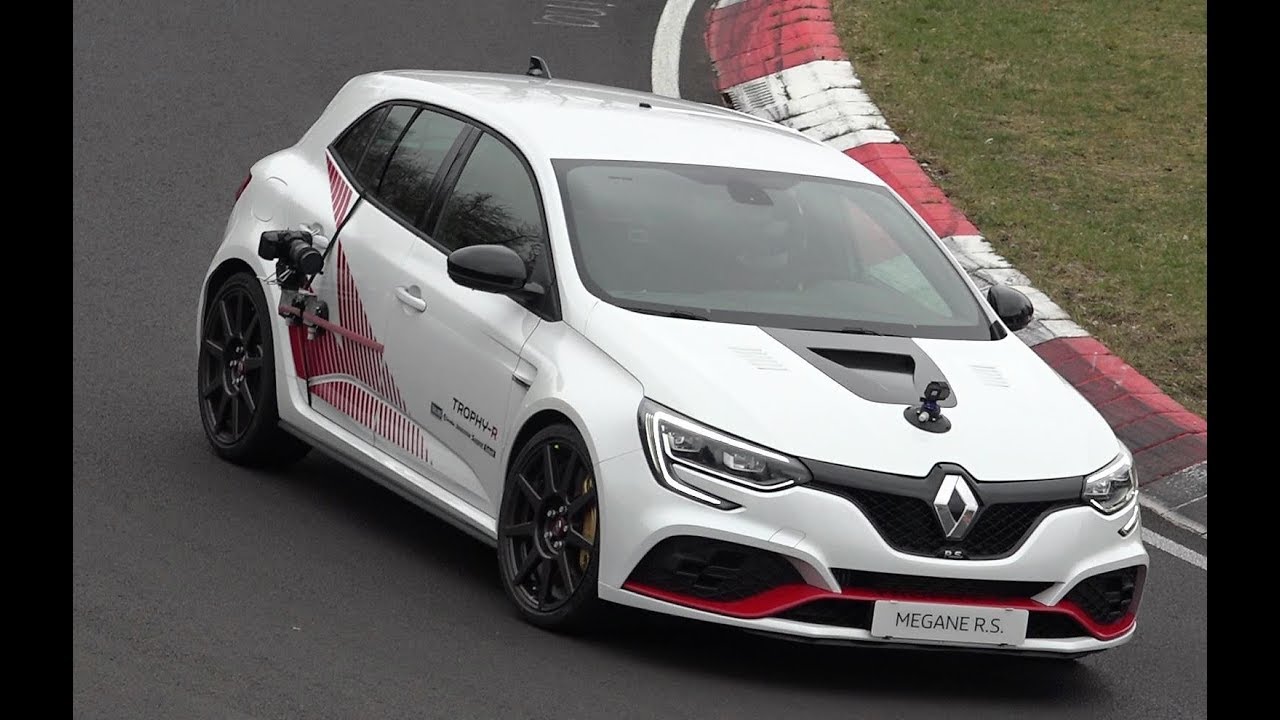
(762, 248)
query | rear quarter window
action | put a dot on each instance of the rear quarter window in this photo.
(351, 146)
(368, 172)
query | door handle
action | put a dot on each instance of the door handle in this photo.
(411, 297)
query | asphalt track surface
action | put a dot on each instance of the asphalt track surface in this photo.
(202, 590)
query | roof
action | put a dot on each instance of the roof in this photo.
(568, 119)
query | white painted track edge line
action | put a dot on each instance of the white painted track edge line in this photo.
(1173, 516)
(1161, 542)
(1181, 505)
(664, 70)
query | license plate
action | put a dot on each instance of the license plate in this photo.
(948, 623)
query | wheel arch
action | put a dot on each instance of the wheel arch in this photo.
(536, 422)
(220, 275)
(231, 258)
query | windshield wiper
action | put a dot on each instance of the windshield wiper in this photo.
(682, 314)
(856, 330)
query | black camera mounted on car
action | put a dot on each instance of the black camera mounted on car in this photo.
(297, 259)
(928, 414)
(297, 262)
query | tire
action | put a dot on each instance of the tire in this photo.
(236, 380)
(549, 532)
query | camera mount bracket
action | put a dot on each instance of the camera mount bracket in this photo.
(928, 414)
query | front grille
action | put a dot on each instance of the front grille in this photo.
(999, 529)
(1107, 597)
(713, 569)
(908, 524)
(1046, 625)
(932, 587)
(841, 613)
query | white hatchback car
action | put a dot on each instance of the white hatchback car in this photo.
(666, 355)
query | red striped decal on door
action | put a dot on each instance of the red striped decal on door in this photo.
(373, 413)
(370, 395)
(331, 354)
(341, 192)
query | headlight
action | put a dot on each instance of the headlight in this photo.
(678, 446)
(1112, 487)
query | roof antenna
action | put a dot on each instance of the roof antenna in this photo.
(538, 68)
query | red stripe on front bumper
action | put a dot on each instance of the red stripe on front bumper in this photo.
(780, 599)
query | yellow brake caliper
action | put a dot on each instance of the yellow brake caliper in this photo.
(588, 525)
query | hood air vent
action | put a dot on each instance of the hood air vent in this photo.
(879, 368)
(870, 361)
(893, 373)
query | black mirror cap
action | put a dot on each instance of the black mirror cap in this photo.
(1012, 307)
(490, 268)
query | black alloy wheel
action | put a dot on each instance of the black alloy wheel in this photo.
(237, 378)
(549, 531)
(231, 365)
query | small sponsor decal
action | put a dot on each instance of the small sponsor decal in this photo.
(466, 419)
(475, 418)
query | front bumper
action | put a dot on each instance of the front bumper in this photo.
(840, 565)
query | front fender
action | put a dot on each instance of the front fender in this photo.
(577, 379)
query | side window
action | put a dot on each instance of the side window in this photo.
(351, 147)
(495, 202)
(415, 161)
(369, 170)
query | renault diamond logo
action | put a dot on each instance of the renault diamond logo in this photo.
(955, 506)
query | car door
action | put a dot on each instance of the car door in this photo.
(381, 172)
(464, 345)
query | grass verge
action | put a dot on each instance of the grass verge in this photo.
(1073, 134)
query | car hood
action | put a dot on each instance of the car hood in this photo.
(840, 398)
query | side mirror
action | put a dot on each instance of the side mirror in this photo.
(1013, 308)
(491, 268)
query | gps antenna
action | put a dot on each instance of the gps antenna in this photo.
(538, 68)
